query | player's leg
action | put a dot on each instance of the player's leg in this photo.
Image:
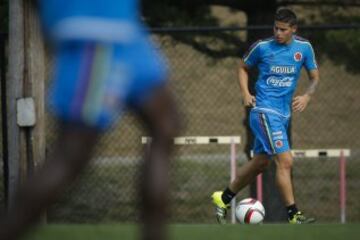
(248, 172)
(160, 118)
(72, 94)
(284, 162)
(245, 175)
(72, 152)
(152, 100)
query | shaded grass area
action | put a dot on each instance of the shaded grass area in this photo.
(209, 232)
(107, 193)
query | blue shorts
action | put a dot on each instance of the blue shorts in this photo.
(94, 81)
(270, 132)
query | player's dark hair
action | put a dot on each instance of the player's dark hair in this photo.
(286, 15)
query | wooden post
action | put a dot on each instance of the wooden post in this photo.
(5, 157)
(26, 74)
(34, 85)
(14, 89)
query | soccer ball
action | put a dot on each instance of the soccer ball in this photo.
(250, 211)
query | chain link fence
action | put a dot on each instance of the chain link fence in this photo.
(205, 83)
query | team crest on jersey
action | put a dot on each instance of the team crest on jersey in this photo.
(298, 56)
(278, 143)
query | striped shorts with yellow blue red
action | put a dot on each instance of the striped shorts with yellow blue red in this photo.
(270, 132)
(94, 81)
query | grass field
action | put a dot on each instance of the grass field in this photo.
(208, 232)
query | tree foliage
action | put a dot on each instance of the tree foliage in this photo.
(177, 13)
(342, 44)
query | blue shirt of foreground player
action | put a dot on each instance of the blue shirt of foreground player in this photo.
(279, 68)
(99, 20)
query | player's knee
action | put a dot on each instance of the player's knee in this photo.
(261, 164)
(167, 128)
(285, 163)
(172, 127)
(265, 165)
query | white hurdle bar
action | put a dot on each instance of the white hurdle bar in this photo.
(342, 154)
(194, 140)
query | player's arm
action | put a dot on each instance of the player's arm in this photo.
(301, 102)
(250, 59)
(248, 99)
(314, 77)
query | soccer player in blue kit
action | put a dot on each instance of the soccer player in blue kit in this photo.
(279, 60)
(104, 62)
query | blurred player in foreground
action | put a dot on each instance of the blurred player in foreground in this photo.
(104, 62)
(279, 60)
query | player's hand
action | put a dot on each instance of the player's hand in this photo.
(249, 100)
(300, 103)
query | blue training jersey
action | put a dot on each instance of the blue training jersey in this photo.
(99, 20)
(279, 68)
